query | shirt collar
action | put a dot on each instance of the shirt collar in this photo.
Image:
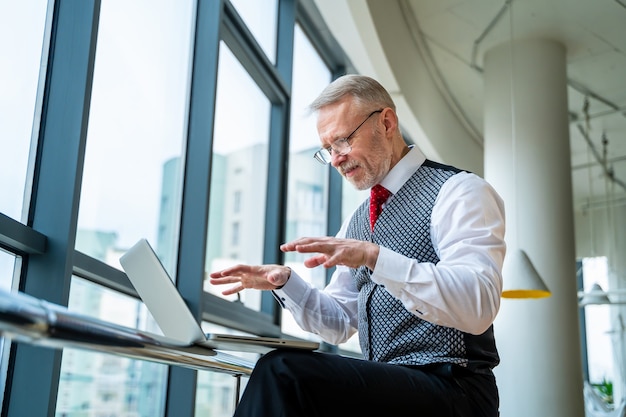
(403, 170)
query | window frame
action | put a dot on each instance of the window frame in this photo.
(46, 241)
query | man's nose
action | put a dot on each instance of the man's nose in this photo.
(337, 159)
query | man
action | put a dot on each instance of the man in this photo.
(421, 286)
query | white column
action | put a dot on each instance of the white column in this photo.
(527, 159)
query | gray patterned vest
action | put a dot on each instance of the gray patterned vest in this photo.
(387, 331)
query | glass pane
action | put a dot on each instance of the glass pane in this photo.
(307, 202)
(22, 26)
(7, 267)
(100, 384)
(215, 392)
(602, 339)
(238, 173)
(351, 198)
(132, 178)
(260, 17)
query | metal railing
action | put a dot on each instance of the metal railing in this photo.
(28, 319)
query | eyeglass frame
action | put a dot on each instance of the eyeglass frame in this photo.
(324, 155)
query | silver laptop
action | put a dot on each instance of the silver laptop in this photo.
(167, 306)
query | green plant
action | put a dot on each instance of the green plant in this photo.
(605, 388)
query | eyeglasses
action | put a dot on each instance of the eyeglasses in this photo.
(340, 146)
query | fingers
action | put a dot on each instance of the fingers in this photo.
(231, 275)
(233, 290)
(314, 261)
(330, 251)
(229, 279)
(233, 270)
(260, 277)
(310, 245)
(296, 244)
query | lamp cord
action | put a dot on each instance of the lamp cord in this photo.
(513, 125)
(589, 178)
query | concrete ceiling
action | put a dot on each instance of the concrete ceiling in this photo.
(457, 33)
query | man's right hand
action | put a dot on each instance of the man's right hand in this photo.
(259, 277)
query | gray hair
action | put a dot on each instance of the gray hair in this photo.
(365, 91)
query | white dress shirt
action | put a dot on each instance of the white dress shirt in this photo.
(461, 291)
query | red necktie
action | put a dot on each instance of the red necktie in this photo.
(378, 195)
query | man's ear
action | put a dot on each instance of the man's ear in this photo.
(390, 121)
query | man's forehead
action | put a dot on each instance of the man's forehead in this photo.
(333, 120)
(332, 127)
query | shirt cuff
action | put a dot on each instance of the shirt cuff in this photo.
(383, 262)
(294, 290)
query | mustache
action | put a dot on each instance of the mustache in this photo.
(347, 166)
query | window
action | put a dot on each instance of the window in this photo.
(131, 189)
(260, 17)
(240, 161)
(91, 382)
(22, 33)
(309, 197)
(308, 180)
(7, 263)
(215, 392)
(600, 338)
(132, 177)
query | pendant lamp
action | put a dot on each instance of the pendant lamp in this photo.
(595, 296)
(521, 278)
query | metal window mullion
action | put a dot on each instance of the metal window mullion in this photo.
(276, 204)
(19, 238)
(245, 47)
(312, 23)
(181, 389)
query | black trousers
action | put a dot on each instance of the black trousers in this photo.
(288, 383)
